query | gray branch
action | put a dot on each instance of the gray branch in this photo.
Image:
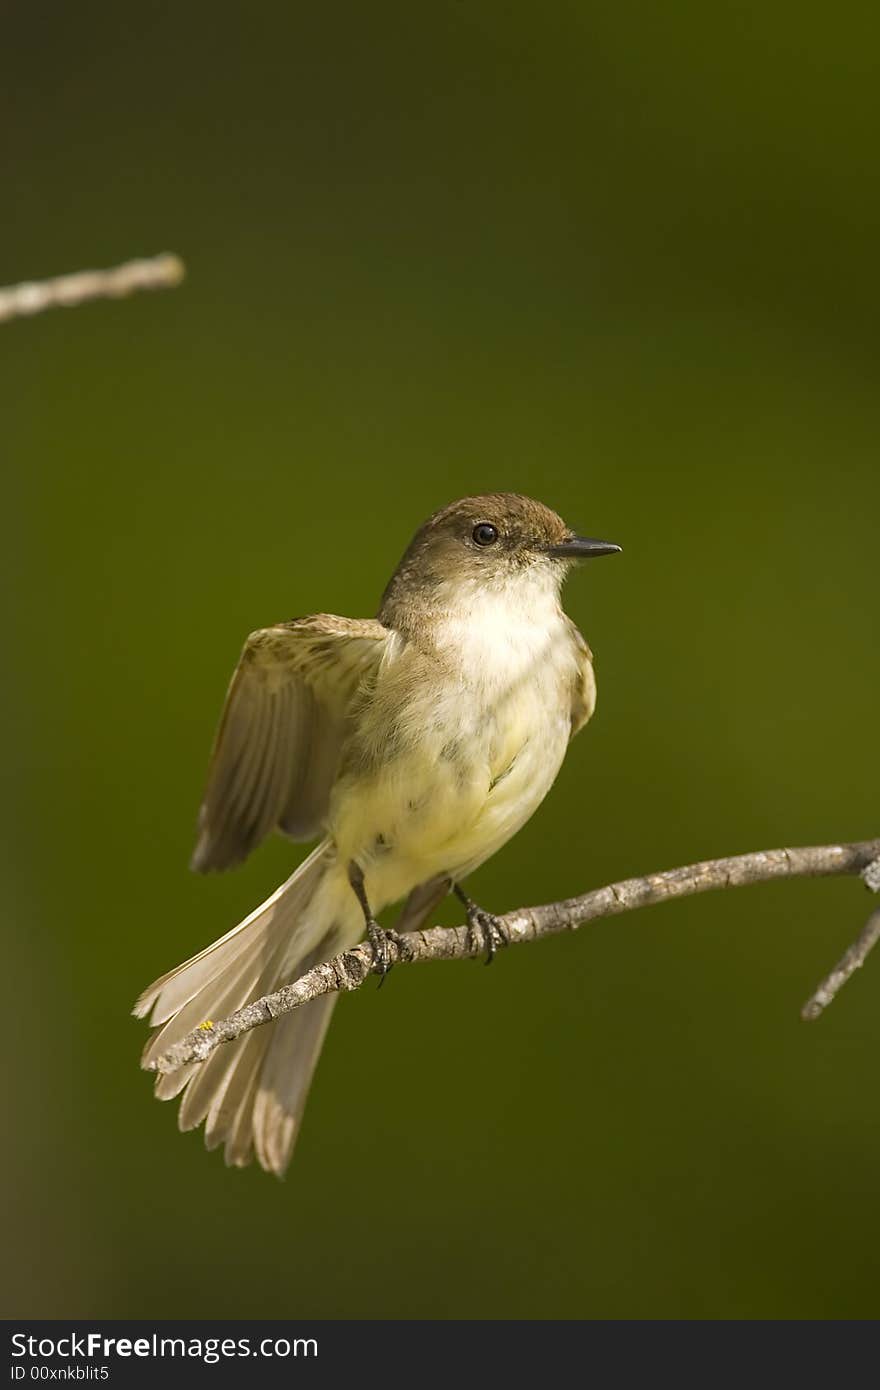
(33, 296)
(848, 964)
(350, 969)
(852, 959)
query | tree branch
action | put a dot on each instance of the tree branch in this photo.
(33, 296)
(349, 970)
(848, 964)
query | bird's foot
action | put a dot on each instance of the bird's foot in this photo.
(380, 941)
(486, 932)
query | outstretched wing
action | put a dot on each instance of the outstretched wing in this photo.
(277, 748)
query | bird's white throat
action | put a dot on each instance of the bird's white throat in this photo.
(499, 632)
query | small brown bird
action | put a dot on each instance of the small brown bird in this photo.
(416, 744)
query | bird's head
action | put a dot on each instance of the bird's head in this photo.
(492, 542)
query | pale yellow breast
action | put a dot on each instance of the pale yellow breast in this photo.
(451, 757)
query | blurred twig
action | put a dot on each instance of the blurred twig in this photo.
(349, 970)
(33, 296)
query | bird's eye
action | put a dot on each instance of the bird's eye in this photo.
(485, 533)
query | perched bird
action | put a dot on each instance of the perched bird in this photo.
(416, 744)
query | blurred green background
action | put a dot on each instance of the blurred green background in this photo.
(624, 258)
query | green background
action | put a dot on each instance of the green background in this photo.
(619, 256)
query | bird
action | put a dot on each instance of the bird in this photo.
(412, 746)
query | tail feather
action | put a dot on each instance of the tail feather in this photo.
(223, 995)
(246, 983)
(232, 1081)
(281, 1095)
(251, 1093)
(239, 1131)
(250, 981)
(166, 996)
(167, 1087)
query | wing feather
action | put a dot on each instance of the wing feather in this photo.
(583, 694)
(281, 733)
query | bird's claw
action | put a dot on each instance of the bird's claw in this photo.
(380, 941)
(486, 932)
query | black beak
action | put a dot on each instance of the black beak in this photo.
(581, 548)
